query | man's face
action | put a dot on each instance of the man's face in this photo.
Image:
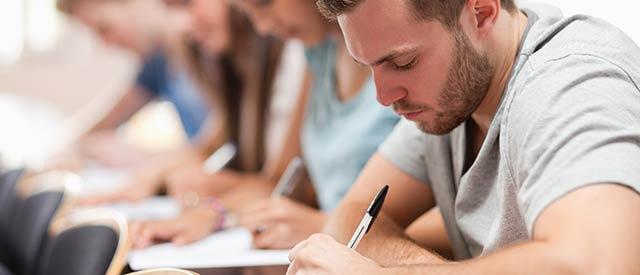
(286, 19)
(429, 74)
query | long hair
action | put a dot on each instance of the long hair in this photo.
(239, 86)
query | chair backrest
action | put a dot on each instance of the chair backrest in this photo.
(93, 241)
(8, 201)
(29, 203)
(29, 229)
(164, 271)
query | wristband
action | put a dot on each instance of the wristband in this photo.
(222, 213)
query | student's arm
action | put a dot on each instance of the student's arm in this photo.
(196, 223)
(127, 106)
(407, 199)
(430, 233)
(593, 230)
(151, 176)
(290, 147)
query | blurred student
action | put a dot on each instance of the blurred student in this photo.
(266, 126)
(155, 34)
(235, 71)
(236, 68)
(342, 127)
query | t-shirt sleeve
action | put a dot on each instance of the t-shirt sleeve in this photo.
(404, 148)
(587, 132)
(153, 74)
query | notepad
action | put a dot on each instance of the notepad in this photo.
(231, 248)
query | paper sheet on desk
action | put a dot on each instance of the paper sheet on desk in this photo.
(101, 179)
(231, 248)
(150, 209)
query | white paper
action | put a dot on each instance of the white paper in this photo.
(149, 209)
(231, 248)
(155, 208)
(102, 179)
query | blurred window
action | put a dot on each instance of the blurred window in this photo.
(27, 24)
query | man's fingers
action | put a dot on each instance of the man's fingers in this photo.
(295, 251)
(293, 268)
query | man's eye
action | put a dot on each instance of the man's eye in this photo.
(405, 66)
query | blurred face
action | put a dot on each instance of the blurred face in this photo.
(111, 21)
(427, 73)
(211, 26)
(286, 19)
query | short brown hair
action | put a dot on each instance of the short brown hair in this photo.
(445, 11)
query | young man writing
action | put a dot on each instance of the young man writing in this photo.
(521, 125)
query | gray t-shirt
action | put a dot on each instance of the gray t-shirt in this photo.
(569, 117)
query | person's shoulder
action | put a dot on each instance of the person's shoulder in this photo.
(585, 36)
(565, 82)
(574, 59)
(577, 90)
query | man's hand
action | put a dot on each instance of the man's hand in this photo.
(321, 254)
(281, 223)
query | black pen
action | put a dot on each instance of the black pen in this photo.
(369, 218)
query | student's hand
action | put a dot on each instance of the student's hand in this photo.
(280, 223)
(110, 150)
(189, 180)
(69, 159)
(192, 225)
(321, 254)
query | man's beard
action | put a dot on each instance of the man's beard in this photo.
(467, 83)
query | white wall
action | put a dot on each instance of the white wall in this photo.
(54, 83)
(622, 13)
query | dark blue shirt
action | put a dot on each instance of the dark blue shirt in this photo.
(176, 87)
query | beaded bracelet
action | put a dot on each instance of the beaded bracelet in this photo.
(222, 213)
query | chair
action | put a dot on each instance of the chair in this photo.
(27, 214)
(164, 271)
(94, 241)
(4, 270)
(8, 199)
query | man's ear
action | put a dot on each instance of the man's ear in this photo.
(482, 14)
